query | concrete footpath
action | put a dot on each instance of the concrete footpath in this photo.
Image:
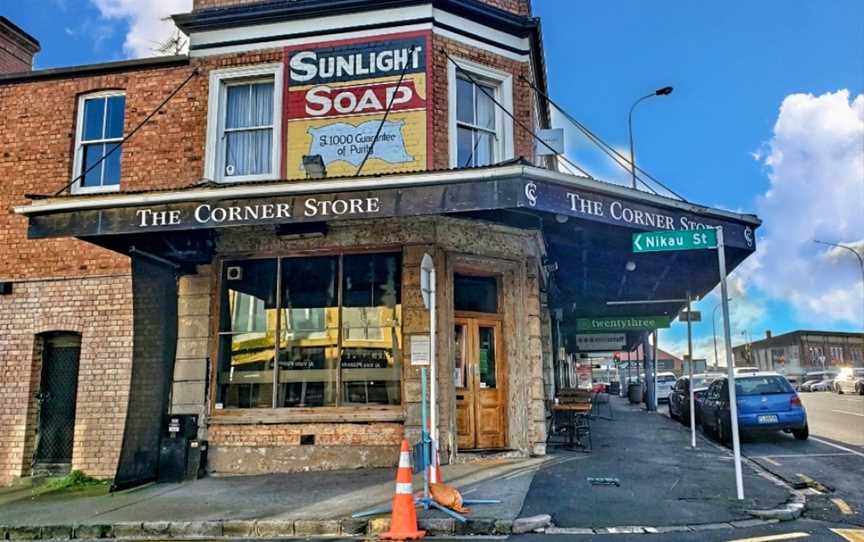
(663, 483)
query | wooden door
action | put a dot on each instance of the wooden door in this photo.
(480, 383)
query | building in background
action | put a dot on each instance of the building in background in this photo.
(798, 352)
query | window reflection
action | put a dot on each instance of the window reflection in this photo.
(247, 336)
(329, 353)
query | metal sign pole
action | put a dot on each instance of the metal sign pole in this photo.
(690, 381)
(733, 405)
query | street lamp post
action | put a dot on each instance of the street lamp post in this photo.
(665, 91)
(853, 251)
(714, 328)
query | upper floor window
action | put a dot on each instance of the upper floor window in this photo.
(481, 133)
(244, 124)
(99, 131)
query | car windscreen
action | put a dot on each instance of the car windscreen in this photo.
(761, 385)
(666, 379)
(858, 373)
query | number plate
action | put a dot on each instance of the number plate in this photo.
(768, 419)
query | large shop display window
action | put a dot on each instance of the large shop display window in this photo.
(310, 332)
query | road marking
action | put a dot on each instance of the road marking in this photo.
(769, 460)
(852, 535)
(847, 412)
(844, 508)
(767, 457)
(845, 449)
(769, 538)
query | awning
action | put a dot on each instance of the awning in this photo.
(587, 225)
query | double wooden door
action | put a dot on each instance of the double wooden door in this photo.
(480, 379)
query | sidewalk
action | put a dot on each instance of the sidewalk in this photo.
(663, 483)
(663, 480)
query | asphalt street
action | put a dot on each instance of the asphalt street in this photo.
(831, 461)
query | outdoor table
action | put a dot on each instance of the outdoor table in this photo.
(572, 411)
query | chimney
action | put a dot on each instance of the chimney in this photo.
(16, 48)
(768, 334)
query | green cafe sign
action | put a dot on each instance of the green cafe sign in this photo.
(624, 323)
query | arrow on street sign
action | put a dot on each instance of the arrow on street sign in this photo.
(663, 241)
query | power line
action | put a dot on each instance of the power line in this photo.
(386, 112)
(130, 134)
(618, 158)
(509, 114)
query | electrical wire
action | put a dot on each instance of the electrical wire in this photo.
(130, 134)
(386, 112)
(605, 147)
(509, 114)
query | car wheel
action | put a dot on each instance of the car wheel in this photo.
(860, 389)
(838, 389)
(801, 434)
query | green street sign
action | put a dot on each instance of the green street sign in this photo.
(625, 323)
(663, 241)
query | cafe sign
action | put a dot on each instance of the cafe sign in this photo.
(626, 323)
(600, 342)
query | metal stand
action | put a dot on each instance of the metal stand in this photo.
(424, 499)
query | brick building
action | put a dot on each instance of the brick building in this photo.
(797, 352)
(237, 234)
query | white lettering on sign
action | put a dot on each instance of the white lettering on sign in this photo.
(207, 213)
(306, 66)
(621, 212)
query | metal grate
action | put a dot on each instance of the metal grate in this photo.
(57, 397)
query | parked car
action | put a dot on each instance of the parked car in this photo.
(679, 398)
(816, 377)
(766, 402)
(850, 380)
(822, 385)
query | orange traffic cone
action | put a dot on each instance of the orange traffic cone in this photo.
(403, 521)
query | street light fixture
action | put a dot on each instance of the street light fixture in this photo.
(850, 249)
(665, 91)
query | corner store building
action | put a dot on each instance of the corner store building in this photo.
(280, 309)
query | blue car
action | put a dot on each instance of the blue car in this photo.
(766, 402)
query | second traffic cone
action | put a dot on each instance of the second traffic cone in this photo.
(403, 521)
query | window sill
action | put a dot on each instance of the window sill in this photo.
(353, 414)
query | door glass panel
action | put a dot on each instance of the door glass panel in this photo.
(476, 294)
(460, 367)
(486, 357)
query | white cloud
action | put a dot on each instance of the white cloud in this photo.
(815, 162)
(146, 19)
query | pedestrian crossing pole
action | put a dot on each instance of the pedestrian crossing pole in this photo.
(730, 366)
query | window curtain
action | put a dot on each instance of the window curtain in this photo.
(249, 129)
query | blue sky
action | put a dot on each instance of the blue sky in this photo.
(765, 118)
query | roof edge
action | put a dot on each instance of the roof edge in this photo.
(86, 70)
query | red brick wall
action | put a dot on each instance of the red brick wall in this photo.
(100, 310)
(523, 102)
(16, 55)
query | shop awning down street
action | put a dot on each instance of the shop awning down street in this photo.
(587, 227)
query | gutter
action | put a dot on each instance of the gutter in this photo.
(298, 188)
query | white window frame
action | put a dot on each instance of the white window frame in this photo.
(78, 160)
(215, 148)
(503, 82)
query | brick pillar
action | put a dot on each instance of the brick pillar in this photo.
(16, 48)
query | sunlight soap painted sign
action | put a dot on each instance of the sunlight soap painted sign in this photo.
(336, 97)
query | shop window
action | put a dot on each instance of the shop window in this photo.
(244, 124)
(337, 324)
(475, 294)
(99, 131)
(480, 132)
